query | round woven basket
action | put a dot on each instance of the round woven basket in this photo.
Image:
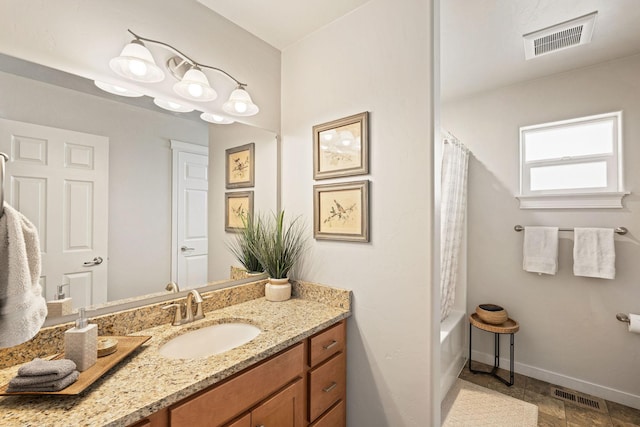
(492, 314)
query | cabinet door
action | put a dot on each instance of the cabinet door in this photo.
(285, 409)
(244, 421)
(226, 401)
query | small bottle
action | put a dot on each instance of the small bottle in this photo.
(61, 306)
(81, 343)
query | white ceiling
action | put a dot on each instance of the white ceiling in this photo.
(482, 47)
(481, 40)
(282, 22)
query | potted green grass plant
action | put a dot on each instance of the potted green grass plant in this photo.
(278, 248)
(242, 244)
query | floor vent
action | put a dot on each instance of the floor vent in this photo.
(558, 37)
(579, 399)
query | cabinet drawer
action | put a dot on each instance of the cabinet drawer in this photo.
(336, 417)
(326, 385)
(327, 343)
(222, 402)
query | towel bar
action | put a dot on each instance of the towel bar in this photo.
(617, 230)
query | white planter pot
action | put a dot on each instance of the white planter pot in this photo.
(277, 290)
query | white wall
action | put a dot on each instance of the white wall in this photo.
(377, 59)
(265, 190)
(569, 334)
(139, 170)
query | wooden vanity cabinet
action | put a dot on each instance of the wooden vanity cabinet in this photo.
(327, 377)
(222, 402)
(302, 386)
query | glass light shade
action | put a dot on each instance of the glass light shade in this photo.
(172, 106)
(136, 63)
(240, 104)
(216, 119)
(195, 86)
(117, 90)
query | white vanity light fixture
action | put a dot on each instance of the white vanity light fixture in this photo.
(195, 86)
(117, 89)
(170, 105)
(136, 63)
(240, 103)
(216, 119)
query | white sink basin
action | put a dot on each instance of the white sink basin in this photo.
(209, 340)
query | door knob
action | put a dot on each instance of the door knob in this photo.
(185, 249)
(96, 261)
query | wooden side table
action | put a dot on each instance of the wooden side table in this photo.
(509, 327)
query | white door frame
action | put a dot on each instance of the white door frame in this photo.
(178, 147)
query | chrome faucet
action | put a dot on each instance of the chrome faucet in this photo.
(193, 296)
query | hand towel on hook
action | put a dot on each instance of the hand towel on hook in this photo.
(540, 250)
(594, 253)
(22, 308)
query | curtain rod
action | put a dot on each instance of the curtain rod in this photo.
(617, 230)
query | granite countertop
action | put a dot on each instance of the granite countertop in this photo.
(145, 381)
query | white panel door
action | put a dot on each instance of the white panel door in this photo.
(59, 180)
(192, 208)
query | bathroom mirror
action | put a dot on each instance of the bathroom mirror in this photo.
(140, 164)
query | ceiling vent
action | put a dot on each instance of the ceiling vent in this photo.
(560, 36)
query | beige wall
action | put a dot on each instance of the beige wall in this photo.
(376, 59)
(569, 333)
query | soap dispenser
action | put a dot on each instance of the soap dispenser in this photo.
(61, 306)
(81, 343)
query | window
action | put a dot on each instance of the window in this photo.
(572, 164)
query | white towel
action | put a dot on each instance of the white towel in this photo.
(540, 250)
(22, 307)
(594, 253)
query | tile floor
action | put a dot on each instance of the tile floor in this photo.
(553, 412)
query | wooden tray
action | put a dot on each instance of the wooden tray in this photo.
(126, 345)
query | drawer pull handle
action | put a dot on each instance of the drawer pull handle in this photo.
(331, 344)
(331, 387)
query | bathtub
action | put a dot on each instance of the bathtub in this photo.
(452, 349)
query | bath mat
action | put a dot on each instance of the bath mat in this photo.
(470, 405)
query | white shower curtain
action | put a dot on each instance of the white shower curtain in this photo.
(455, 158)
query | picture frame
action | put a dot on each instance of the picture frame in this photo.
(341, 211)
(236, 205)
(341, 147)
(240, 166)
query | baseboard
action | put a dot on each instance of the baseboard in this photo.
(604, 392)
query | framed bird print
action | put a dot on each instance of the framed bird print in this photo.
(238, 206)
(341, 211)
(341, 147)
(240, 167)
